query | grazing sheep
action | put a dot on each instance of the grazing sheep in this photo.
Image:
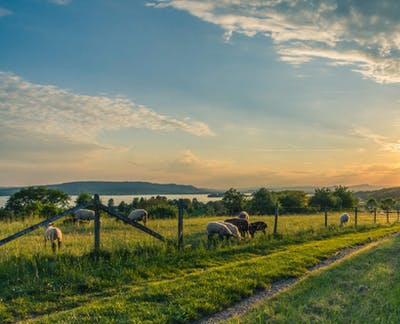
(244, 214)
(139, 214)
(233, 228)
(53, 234)
(218, 228)
(83, 216)
(344, 218)
(241, 223)
(257, 226)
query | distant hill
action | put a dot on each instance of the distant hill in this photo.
(393, 192)
(116, 188)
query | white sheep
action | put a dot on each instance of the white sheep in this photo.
(53, 234)
(218, 228)
(243, 214)
(233, 228)
(83, 216)
(344, 218)
(139, 214)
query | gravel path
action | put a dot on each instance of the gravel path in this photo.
(258, 297)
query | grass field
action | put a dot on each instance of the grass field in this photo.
(362, 289)
(137, 279)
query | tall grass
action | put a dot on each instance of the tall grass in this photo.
(37, 281)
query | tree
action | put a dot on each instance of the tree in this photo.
(323, 197)
(263, 202)
(163, 211)
(388, 203)
(83, 198)
(371, 204)
(233, 201)
(30, 201)
(346, 198)
(293, 200)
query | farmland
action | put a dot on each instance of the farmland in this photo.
(136, 279)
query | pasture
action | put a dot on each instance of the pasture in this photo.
(137, 279)
(363, 289)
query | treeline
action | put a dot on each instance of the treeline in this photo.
(44, 202)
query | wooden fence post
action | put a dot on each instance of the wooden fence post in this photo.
(355, 216)
(387, 215)
(276, 218)
(326, 216)
(398, 214)
(96, 223)
(180, 223)
(375, 215)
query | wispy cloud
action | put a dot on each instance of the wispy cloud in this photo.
(5, 12)
(60, 2)
(383, 142)
(46, 109)
(364, 35)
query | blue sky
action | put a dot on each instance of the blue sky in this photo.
(216, 94)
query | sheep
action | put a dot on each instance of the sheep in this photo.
(218, 228)
(244, 214)
(53, 234)
(233, 228)
(139, 214)
(83, 216)
(344, 218)
(241, 223)
(257, 226)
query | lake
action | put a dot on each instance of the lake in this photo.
(128, 198)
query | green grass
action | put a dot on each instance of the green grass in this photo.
(136, 279)
(363, 289)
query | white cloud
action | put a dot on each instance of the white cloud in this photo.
(5, 12)
(364, 35)
(52, 111)
(60, 2)
(382, 141)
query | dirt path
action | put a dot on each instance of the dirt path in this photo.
(258, 297)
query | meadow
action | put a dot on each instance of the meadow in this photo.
(137, 279)
(361, 289)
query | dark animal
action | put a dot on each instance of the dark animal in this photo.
(344, 218)
(241, 223)
(257, 226)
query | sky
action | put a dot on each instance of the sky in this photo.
(212, 93)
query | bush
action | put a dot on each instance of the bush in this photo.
(163, 211)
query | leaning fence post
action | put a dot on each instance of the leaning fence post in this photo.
(180, 223)
(276, 218)
(355, 216)
(326, 216)
(96, 223)
(375, 215)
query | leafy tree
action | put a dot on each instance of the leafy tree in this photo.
(163, 211)
(263, 202)
(323, 197)
(388, 203)
(30, 201)
(371, 204)
(346, 198)
(83, 198)
(293, 200)
(233, 201)
(123, 208)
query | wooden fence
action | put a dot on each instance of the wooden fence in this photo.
(98, 206)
